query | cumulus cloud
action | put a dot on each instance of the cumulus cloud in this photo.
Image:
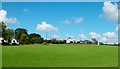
(65, 22)
(46, 27)
(69, 35)
(56, 36)
(82, 36)
(104, 40)
(11, 20)
(4, 18)
(110, 37)
(110, 11)
(94, 35)
(78, 20)
(107, 37)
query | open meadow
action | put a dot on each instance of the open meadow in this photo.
(60, 55)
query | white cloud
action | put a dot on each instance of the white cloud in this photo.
(109, 37)
(69, 35)
(104, 40)
(3, 15)
(78, 20)
(11, 20)
(94, 35)
(110, 11)
(46, 27)
(66, 22)
(118, 28)
(25, 10)
(56, 36)
(82, 36)
(4, 18)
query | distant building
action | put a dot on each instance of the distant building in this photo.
(69, 40)
(3, 41)
(82, 42)
(14, 41)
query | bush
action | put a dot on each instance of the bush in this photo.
(5, 43)
(101, 43)
(44, 43)
(71, 41)
(14, 44)
(24, 39)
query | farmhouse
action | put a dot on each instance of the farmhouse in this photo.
(81, 42)
(3, 40)
(14, 41)
(69, 40)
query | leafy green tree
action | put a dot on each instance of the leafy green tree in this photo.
(2, 29)
(24, 39)
(19, 32)
(94, 41)
(32, 40)
(35, 38)
(9, 34)
(5, 32)
(101, 43)
(88, 42)
(54, 41)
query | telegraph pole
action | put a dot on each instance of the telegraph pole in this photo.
(80, 39)
(46, 35)
(107, 37)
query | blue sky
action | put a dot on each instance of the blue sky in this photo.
(61, 15)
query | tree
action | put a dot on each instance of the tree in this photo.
(9, 34)
(38, 40)
(94, 41)
(5, 32)
(88, 42)
(101, 43)
(19, 32)
(2, 29)
(32, 40)
(24, 39)
(35, 38)
(54, 41)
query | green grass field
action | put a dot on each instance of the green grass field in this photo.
(0, 56)
(62, 55)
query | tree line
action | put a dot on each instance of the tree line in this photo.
(20, 34)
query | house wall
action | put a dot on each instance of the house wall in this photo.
(14, 41)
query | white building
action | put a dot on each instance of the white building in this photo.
(14, 41)
(1, 39)
(6, 41)
(70, 41)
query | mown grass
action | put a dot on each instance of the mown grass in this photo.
(0, 56)
(61, 55)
